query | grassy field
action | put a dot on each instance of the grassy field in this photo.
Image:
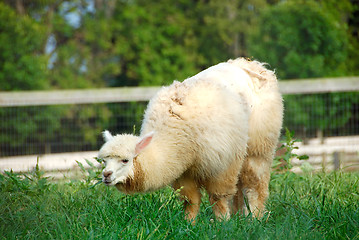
(320, 206)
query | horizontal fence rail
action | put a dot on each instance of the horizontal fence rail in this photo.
(132, 94)
(40, 98)
(321, 85)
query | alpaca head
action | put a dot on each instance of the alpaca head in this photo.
(118, 154)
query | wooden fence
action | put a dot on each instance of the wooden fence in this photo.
(327, 153)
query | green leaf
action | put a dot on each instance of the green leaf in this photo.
(81, 166)
(303, 157)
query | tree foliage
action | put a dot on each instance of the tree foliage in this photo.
(300, 40)
(22, 65)
(307, 39)
(96, 43)
(154, 43)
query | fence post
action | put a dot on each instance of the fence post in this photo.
(324, 161)
(336, 161)
(320, 136)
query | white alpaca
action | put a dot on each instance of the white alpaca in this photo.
(217, 130)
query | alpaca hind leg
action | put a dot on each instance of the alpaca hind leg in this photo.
(254, 180)
(190, 195)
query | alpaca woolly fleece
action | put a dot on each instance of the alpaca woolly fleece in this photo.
(216, 130)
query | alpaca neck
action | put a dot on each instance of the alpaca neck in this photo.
(155, 168)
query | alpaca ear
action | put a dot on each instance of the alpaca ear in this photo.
(107, 135)
(143, 143)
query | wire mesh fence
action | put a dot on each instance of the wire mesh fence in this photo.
(322, 115)
(328, 126)
(53, 122)
(36, 130)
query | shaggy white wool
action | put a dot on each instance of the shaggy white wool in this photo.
(214, 129)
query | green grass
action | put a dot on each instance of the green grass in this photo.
(320, 206)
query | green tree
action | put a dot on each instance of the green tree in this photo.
(222, 28)
(300, 40)
(22, 64)
(22, 67)
(304, 39)
(154, 42)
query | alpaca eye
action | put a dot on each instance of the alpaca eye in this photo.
(125, 160)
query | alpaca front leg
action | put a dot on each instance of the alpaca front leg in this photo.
(190, 195)
(221, 189)
(220, 206)
(238, 199)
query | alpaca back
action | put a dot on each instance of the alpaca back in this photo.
(203, 123)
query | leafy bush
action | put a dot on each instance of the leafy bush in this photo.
(33, 183)
(283, 163)
(92, 174)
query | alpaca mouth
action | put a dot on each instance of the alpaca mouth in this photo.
(107, 182)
